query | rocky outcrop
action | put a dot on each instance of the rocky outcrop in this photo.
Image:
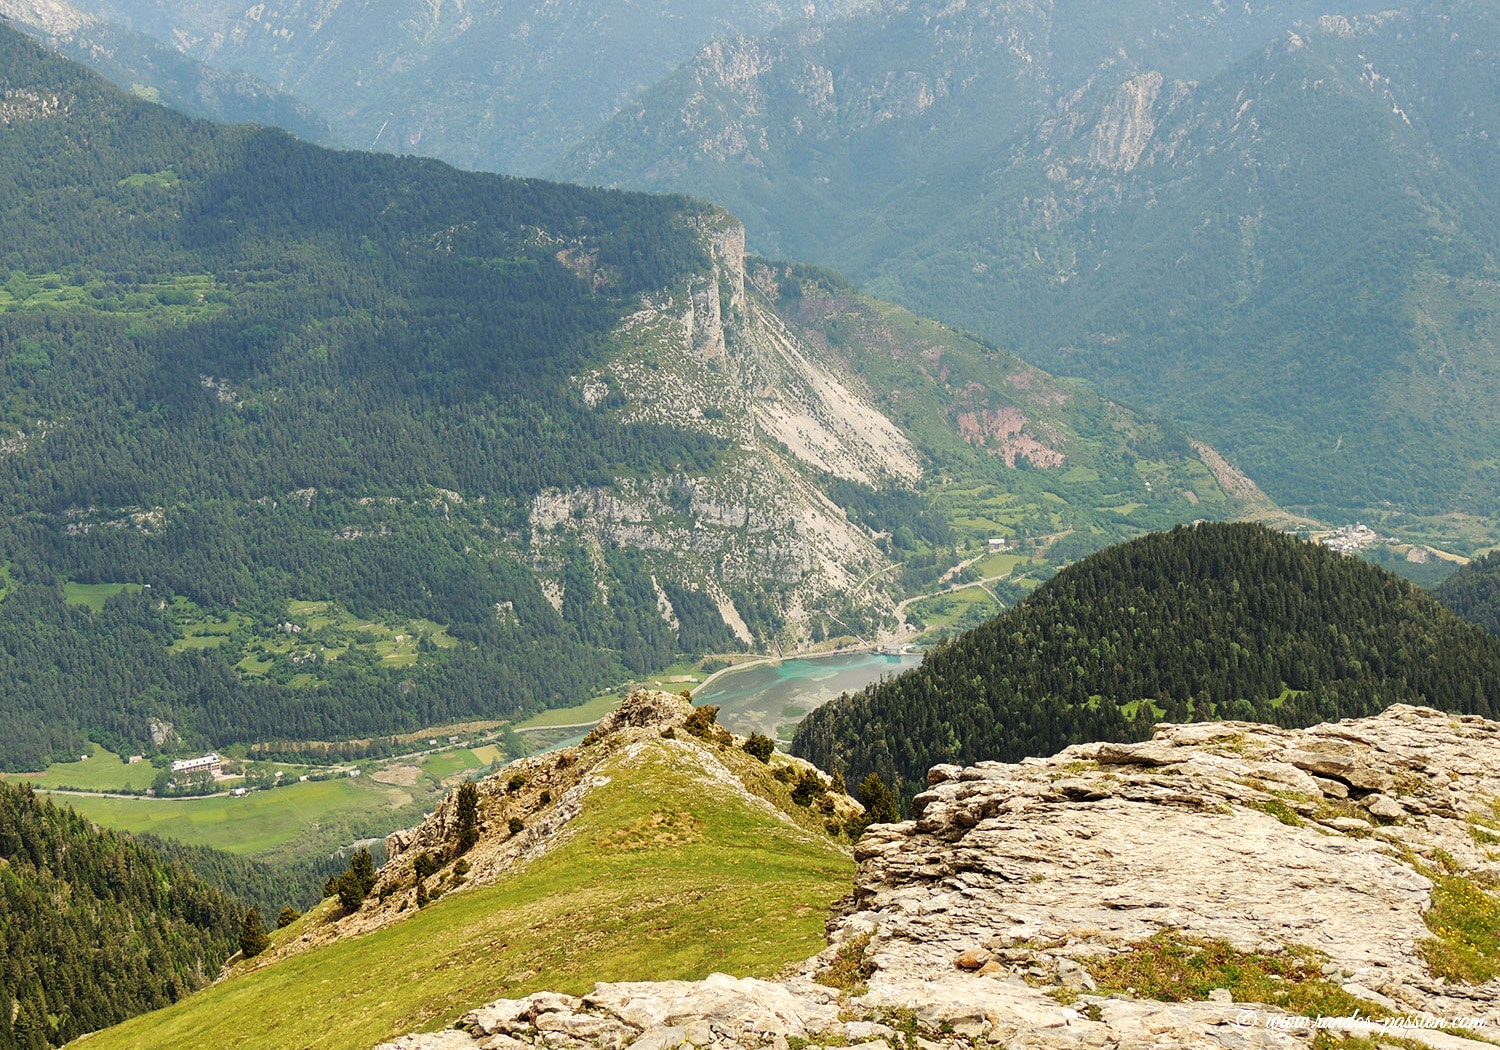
(987, 916)
(712, 354)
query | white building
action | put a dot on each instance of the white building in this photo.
(209, 763)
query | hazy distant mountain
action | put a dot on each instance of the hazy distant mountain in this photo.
(1278, 232)
(502, 87)
(157, 72)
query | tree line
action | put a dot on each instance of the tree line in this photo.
(1201, 623)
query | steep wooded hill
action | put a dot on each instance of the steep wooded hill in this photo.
(1474, 592)
(1274, 225)
(240, 369)
(96, 927)
(1204, 622)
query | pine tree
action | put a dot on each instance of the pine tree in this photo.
(468, 816)
(362, 867)
(253, 938)
(879, 800)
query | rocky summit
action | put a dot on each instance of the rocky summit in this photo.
(1015, 907)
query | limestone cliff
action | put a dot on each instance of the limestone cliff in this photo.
(712, 354)
(1002, 912)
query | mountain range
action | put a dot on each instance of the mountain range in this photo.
(501, 87)
(306, 426)
(1274, 226)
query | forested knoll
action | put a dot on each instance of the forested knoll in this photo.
(245, 370)
(1201, 623)
(97, 927)
(1474, 592)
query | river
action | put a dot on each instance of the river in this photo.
(771, 698)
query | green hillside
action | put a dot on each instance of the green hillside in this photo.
(1474, 592)
(670, 871)
(1015, 452)
(97, 926)
(1200, 623)
(241, 372)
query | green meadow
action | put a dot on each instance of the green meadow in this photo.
(666, 874)
(257, 824)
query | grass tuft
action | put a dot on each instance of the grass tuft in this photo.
(1173, 968)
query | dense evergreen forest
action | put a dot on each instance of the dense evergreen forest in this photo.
(237, 370)
(97, 927)
(1474, 592)
(1200, 623)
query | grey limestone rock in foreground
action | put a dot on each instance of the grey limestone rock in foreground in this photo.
(1013, 879)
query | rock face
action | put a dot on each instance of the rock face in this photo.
(979, 919)
(712, 354)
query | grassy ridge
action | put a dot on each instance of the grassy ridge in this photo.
(666, 875)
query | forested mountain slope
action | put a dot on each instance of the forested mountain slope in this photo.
(1474, 592)
(300, 446)
(160, 73)
(96, 926)
(1200, 623)
(244, 370)
(1274, 225)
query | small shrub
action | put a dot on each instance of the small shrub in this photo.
(850, 968)
(516, 782)
(760, 745)
(422, 895)
(288, 916)
(809, 787)
(517, 825)
(1281, 811)
(425, 864)
(461, 868)
(545, 798)
(669, 733)
(785, 774)
(701, 722)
